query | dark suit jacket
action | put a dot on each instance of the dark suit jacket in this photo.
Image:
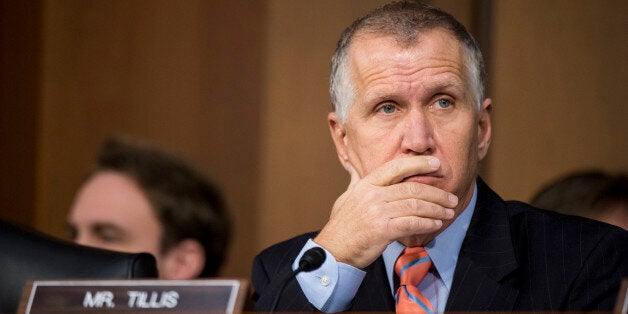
(513, 258)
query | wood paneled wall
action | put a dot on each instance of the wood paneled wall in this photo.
(559, 84)
(20, 46)
(184, 75)
(239, 88)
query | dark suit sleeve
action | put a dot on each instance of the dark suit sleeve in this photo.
(595, 287)
(271, 269)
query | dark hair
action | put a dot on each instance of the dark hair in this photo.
(404, 20)
(185, 202)
(584, 192)
(615, 192)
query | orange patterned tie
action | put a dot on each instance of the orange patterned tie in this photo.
(411, 267)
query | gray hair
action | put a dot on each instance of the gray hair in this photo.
(402, 20)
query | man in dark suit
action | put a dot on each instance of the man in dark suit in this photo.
(410, 125)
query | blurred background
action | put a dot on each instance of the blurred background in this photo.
(239, 89)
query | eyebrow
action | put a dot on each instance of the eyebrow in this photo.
(379, 97)
(430, 89)
(445, 85)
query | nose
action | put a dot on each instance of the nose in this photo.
(417, 134)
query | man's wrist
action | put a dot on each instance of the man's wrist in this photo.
(332, 286)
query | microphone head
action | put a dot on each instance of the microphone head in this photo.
(312, 259)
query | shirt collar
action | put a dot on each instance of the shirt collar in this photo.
(443, 249)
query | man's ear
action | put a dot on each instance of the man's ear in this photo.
(185, 260)
(484, 128)
(339, 136)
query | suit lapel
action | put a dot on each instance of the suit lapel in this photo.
(483, 279)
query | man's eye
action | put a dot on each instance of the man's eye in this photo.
(443, 103)
(109, 238)
(109, 235)
(388, 108)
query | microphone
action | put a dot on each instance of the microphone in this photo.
(311, 260)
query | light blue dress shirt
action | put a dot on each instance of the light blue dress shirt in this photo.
(331, 287)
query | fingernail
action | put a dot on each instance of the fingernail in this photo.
(449, 213)
(438, 223)
(453, 199)
(433, 162)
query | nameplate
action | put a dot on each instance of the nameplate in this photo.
(113, 296)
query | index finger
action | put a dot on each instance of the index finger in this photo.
(396, 170)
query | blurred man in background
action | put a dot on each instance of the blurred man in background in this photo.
(593, 194)
(139, 199)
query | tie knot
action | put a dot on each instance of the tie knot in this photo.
(412, 266)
